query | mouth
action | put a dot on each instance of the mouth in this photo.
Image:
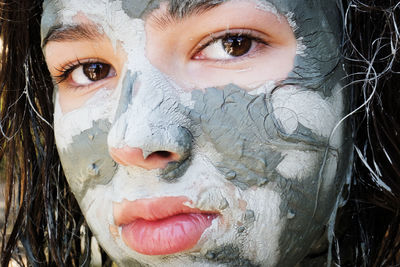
(161, 226)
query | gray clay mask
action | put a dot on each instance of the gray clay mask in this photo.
(193, 135)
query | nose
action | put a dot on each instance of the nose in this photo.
(165, 148)
(151, 129)
(133, 156)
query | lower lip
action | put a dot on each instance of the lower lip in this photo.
(166, 236)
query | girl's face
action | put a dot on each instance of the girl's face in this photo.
(201, 133)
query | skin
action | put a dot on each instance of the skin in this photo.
(250, 138)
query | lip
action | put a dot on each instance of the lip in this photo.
(161, 226)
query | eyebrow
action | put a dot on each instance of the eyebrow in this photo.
(181, 9)
(178, 10)
(72, 32)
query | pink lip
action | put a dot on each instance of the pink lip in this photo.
(161, 226)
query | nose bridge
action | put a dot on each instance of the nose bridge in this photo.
(149, 116)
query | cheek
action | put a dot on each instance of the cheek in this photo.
(255, 133)
(260, 147)
(315, 120)
(299, 164)
(96, 206)
(264, 221)
(72, 123)
(81, 139)
(71, 98)
(294, 108)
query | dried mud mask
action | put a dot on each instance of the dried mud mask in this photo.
(212, 138)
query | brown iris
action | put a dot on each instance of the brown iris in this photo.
(236, 45)
(96, 71)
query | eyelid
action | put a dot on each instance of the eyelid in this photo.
(71, 65)
(213, 37)
(66, 69)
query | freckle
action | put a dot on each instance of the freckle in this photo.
(224, 222)
(114, 231)
(242, 204)
(136, 87)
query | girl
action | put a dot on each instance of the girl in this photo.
(197, 132)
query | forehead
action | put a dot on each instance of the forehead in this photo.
(58, 12)
(133, 8)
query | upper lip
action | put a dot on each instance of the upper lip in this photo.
(152, 209)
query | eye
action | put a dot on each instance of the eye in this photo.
(81, 74)
(229, 46)
(236, 46)
(91, 72)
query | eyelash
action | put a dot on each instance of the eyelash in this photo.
(69, 67)
(214, 37)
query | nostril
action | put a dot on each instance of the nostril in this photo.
(133, 156)
(163, 154)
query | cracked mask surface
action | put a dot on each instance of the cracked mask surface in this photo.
(200, 133)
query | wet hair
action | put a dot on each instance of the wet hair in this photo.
(43, 220)
(368, 232)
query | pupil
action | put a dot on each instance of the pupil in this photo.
(96, 71)
(236, 46)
